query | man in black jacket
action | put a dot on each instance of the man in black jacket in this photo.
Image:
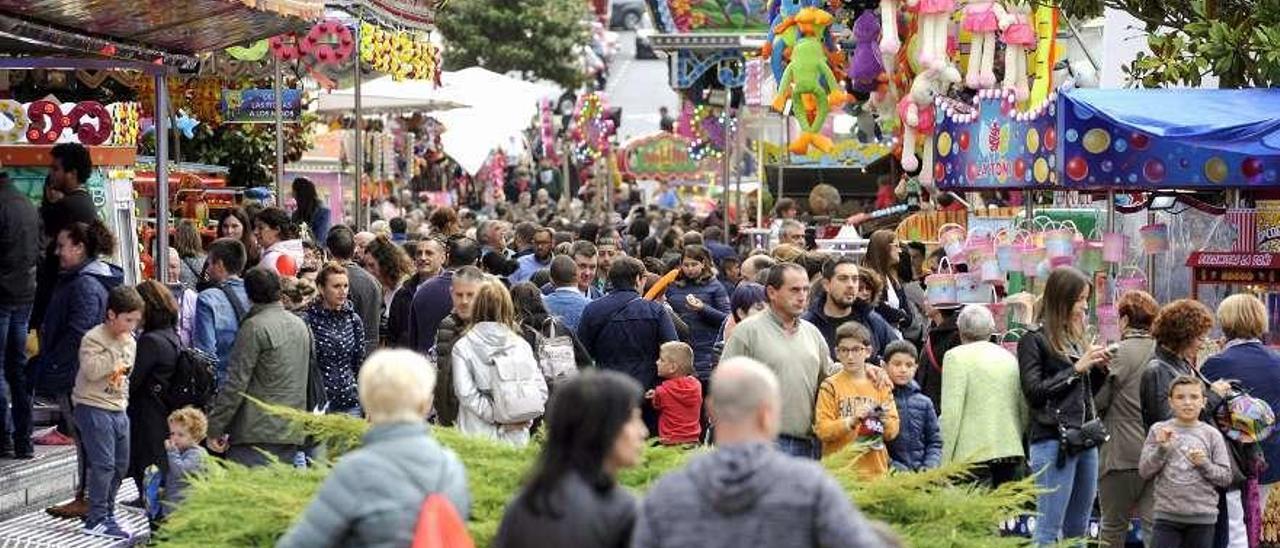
(19, 254)
(66, 201)
(366, 292)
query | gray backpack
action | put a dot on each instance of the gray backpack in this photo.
(556, 355)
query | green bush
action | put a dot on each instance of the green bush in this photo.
(231, 505)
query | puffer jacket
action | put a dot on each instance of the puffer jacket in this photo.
(19, 246)
(473, 379)
(339, 340)
(704, 325)
(79, 302)
(373, 495)
(270, 361)
(1052, 387)
(919, 442)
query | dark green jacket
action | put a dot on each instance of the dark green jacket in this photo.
(270, 362)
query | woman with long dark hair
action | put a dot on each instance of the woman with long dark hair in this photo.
(158, 349)
(536, 322)
(309, 210)
(236, 224)
(186, 241)
(884, 256)
(1061, 371)
(702, 302)
(572, 498)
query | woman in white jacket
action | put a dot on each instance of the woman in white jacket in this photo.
(493, 334)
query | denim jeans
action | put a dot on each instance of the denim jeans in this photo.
(104, 434)
(807, 447)
(1065, 507)
(13, 360)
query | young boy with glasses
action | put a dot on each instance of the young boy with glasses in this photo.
(852, 410)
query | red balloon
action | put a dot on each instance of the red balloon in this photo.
(1019, 169)
(1252, 167)
(963, 140)
(1050, 138)
(1077, 168)
(1140, 141)
(972, 171)
(939, 172)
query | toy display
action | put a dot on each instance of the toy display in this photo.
(916, 111)
(982, 18)
(1018, 37)
(865, 65)
(810, 83)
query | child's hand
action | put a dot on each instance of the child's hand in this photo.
(1197, 456)
(694, 303)
(220, 445)
(168, 445)
(1164, 437)
(879, 377)
(648, 395)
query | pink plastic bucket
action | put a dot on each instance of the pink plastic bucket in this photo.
(971, 289)
(1108, 323)
(1155, 238)
(1031, 258)
(1061, 242)
(1130, 279)
(940, 288)
(1114, 245)
(951, 237)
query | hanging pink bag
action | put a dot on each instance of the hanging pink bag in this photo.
(1155, 238)
(951, 237)
(1061, 241)
(1130, 278)
(940, 287)
(1114, 245)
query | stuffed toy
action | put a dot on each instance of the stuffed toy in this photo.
(1018, 36)
(865, 64)
(916, 111)
(934, 17)
(809, 81)
(778, 44)
(982, 20)
(889, 41)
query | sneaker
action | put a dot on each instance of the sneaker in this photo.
(107, 528)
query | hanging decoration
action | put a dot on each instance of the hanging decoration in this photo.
(285, 47)
(809, 82)
(328, 42)
(253, 52)
(126, 116)
(14, 111)
(547, 131)
(205, 99)
(184, 123)
(403, 55)
(706, 127)
(89, 133)
(47, 122)
(591, 130)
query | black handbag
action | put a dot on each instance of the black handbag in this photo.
(1091, 432)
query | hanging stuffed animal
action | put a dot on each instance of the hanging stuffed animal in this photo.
(934, 17)
(916, 111)
(1018, 37)
(889, 41)
(865, 64)
(982, 20)
(809, 82)
(778, 44)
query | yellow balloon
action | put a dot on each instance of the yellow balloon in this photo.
(1040, 170)
(1033, 141)
(1004, 139)
(1096, 140)
(944, 144)
(1215, 170)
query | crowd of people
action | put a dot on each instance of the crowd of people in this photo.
(610, 334)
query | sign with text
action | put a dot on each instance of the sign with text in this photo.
(259, 105)
(663, 156)
(990, 145)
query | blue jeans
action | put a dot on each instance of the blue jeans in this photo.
(104, 435)
(13, 360)
(1065, 506)
(807, 447)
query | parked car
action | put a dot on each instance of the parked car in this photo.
(626, 14)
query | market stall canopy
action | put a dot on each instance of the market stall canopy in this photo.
(387, 95)
(1172, 138)
(145, 30)
(471, 134)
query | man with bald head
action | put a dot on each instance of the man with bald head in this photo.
(747, 493)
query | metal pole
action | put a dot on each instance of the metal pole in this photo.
(786, 158)
(276, 83)
(728, 162)
(162, 178)
(764, 178)
(359, 135)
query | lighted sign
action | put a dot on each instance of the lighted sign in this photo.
(662, 156)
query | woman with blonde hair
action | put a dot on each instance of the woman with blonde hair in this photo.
(1060, 372)
(490, 353)
(1246, 359)
(374, 494)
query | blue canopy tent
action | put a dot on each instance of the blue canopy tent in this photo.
(1169, 138)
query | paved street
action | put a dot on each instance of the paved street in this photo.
(639, 86)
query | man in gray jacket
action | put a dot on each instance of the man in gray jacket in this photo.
(747, 493)
(270, 362)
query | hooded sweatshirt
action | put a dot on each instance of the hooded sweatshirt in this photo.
(750, 494)
(473, 379)
(97, 382)
(679, 403)
(283, 257)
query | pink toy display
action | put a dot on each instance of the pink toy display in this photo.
(971, 289)
(1113, 246)
(1108, 323)
(1032, 256)
(1130, 278)
(1060, 241)
(1155, 238)
(1089, 259)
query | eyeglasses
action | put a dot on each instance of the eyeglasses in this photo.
(845, 350)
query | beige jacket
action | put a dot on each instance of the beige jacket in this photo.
(97, 384)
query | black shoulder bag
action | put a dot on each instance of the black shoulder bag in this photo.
(1091, 432)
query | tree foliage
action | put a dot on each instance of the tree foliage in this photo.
(541, 39)
(1237, 41)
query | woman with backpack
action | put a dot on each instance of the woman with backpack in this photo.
(157, 357)
(539, 326)
(572, 497)
(495, 374)
(339, 339)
